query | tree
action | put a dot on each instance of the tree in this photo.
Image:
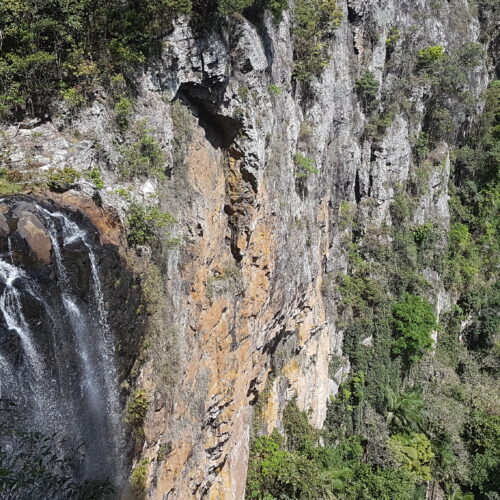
(404, 410)
(413, 322)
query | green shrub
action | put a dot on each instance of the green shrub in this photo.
(314, 22)
(464, 260)
(423, 233)
(429, 55)
(367, 87)
(402, 208)
(346, 214)
(139, 475)
(393, 38)
(62, 180)
(73, 97)
(300, 436)
(145, 224)
(164, 450)
(483, 438)
(277, 473)
(95, 176)
(413, 320)
(274, 90)
(143, 155)
(378, 123)
(9, 184)
(414, 452)
(404, 411)
(74, 43)
(305, 165)
(422, 146)
(277, 7)
(123, 111)
(137, 408)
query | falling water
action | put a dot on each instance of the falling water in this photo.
(65, 378)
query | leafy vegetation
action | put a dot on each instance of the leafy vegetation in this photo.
(413, 450)
(314, 23)
(295, 466)
(142, 154)
(367, 86)
(66, 50)
(414, 320)
(62, 180)
(137, 408)
(393, 38)
(146, 224)
(139, 475)
(405, 418)
(274, 90)
(95, 176)
(305, 165)
(429, 55)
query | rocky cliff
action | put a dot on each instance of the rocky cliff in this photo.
(274, 184)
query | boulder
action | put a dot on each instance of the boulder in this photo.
(33, 232)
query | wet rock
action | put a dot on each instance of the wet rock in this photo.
(33, 232)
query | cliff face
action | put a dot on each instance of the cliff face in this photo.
(268, 179)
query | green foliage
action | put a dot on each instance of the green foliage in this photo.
(305, 165)
(123, 111)
(62, 180)
(145, 224)
(483, 432)
(94, 174)
(9, 185)
(73, 97)
(143, 155)
(277, 473)
(414, 451)
(393, 38)
(423, 233)
(137, 408)
(404, 411)
(274, 90)
(367, 86)
(74, 43)
(402, 208)
(164, 450)
(277, 7)
(422, 146)
(464, 260)
(321, 472)
(413, 320)
(378, 124)
(314, 22)
(300, 436)
(346, 214)
(139, 476)
(429, 55)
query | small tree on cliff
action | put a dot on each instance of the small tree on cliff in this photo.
(413, 322)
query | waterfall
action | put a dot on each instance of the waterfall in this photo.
(57, 359)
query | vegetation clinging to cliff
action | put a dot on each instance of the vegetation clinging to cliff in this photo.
(60, 49)
(392, 427)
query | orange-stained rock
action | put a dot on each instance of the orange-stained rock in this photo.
(35, 235)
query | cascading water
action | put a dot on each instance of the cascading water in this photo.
(57, 366)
